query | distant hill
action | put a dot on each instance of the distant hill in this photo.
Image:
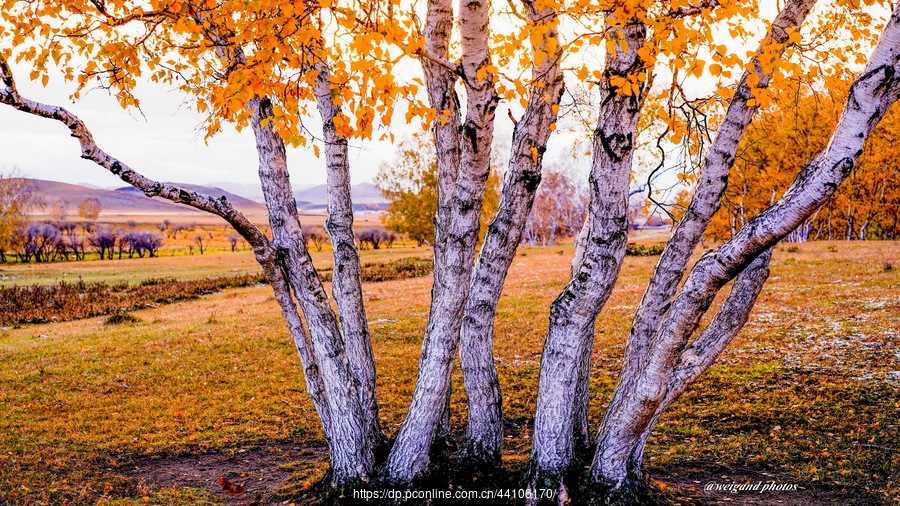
(131, 200)
(366, 197)
(238, 201)
(127, 199)
(247, 190)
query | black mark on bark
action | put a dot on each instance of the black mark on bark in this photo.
(616, 145)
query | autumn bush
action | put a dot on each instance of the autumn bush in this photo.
(402, 268)
(397, 269)
(74, 300)
(70, 301)
(640, 250)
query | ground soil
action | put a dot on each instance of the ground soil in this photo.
(260, 471)
(263, 470)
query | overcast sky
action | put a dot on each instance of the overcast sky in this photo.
(165, 144)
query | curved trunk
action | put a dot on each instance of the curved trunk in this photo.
(703, 351)
(569, 340)
(263, 249)
(350, 448)
(706, 200)
(346, 284)
(484, 431)
(635, 406)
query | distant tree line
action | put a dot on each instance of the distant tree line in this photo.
(778, 145)
(49, 241)
(367, 238)
(559, 210)
(410, 181)
(410, 184)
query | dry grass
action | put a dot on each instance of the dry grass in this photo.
(809, 388)
(182, 267)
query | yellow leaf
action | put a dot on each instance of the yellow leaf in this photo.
(753, 80)
(534, 154)
(583, 73)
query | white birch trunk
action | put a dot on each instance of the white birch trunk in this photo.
(262, 248)
(698, 356)
(573, 313)
(346, 284)
(456, 231)
(350, 448)
(484, 431)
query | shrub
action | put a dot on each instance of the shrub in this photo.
(70, 301)
(121, 319)
(395, 269)
(639, 250)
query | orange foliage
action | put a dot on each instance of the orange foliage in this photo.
(790, 135)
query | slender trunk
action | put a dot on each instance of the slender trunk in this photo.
(454, 252)
(484, 432)
(351, 450)
(617, 435)
(409, 457)
(705, 202)
(633, 409)
(573, 313)
(346, 284)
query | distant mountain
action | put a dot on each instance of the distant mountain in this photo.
(91, 186)
(236, 200)
(129, 199)
(251, 191)
(366, 197)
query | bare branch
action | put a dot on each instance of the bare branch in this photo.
(151, 188)
(455, 69)
(693, 10)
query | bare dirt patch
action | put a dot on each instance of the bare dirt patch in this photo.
(256, 473)
(715, 484)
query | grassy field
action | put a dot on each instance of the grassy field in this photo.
(181, 266)
(155, 411)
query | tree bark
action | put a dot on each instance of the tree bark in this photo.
(484, 431)
(346, 284)
(709, 344)
(573, 313)
(456, 227)
(707, 197)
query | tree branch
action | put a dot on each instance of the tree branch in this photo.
(706, 200)
(693, 10)
(455, 69)
(151, 188)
